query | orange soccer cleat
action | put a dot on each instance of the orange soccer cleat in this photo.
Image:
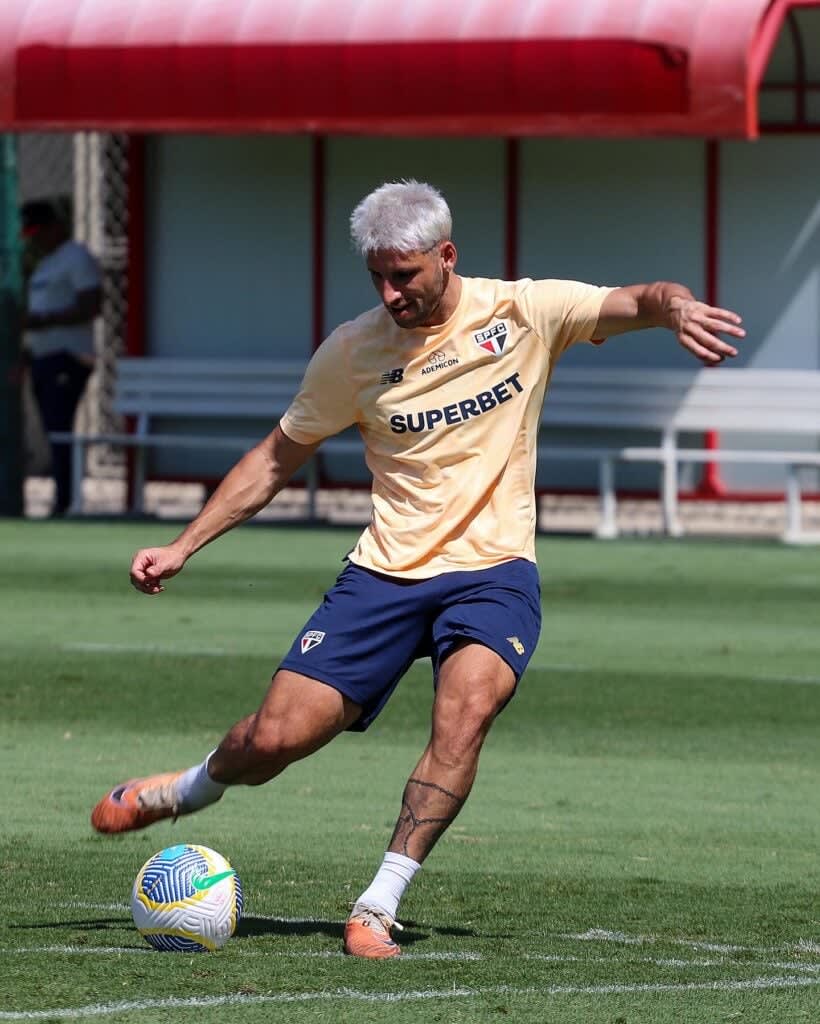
(137, 804)
(367, 933)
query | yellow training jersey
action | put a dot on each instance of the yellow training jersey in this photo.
(449, 416)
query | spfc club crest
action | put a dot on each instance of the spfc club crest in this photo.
(312, 639)
(492, 338)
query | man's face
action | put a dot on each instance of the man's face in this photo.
(43, 239)
(412, 284)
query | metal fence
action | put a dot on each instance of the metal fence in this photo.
(86, 174)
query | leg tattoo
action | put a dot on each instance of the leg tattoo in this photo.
(426, 811)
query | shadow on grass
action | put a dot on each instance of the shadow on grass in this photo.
(412, 932)
(98, 924)
(251, 927)
(89, 926)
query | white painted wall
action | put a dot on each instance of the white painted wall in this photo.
(229, 237)
(229, 246)
(770, 264)
(770, 247)
(229, 262)
(613, 212)
(470, 173)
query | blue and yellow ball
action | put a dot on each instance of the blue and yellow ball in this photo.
(187, 899)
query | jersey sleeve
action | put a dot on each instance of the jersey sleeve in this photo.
(325, 403)
(562, 312)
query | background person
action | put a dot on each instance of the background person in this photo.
(446, 567)
(64, 296)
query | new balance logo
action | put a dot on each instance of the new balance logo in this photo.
(518, 647)
(392, 377)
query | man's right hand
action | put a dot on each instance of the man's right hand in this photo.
(151, 566)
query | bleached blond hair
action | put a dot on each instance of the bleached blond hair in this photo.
(401, 216)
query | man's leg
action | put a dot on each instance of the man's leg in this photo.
(59, 381)
(297, 717)
(474, 684)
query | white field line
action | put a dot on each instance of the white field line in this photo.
(602, 935)
(796, 680)
(93, 648)
(330, 954)
(333, 954)
(557, 666)
(82, 905)
(677, 962)
(80, 950)
(592, 935)
(751, 677)
(89, 647)
(808, 968)
(325, 954)
(352, 995)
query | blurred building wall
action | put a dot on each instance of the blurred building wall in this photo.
(229, 236)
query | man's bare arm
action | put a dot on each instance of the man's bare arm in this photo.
(248, 487)
(696, 325)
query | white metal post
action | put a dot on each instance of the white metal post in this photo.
(608, 523)
(669, 485)
(794, 505)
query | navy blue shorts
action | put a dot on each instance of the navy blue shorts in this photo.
(370, 628)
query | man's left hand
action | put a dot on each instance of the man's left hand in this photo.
(698, 328)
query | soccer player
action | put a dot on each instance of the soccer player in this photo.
(445, 381)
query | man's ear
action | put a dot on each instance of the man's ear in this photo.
(448, 254)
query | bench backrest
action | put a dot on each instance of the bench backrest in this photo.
(219, 388)
(721, 398)
(724, 398)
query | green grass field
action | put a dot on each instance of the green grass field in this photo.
(641, 844)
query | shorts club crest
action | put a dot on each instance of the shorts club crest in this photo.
(312, 639)
(378, 626)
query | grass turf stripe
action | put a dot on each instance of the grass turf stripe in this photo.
(90, 647)
(441, 955)
(291, 954)
(100, 648)
(353, 995)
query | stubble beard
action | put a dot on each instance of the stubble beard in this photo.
(427, 309)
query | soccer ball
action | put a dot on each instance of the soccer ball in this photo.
(186, 899)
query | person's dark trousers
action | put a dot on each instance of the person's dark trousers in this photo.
(58, 381)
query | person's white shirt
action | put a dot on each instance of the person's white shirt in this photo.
(52, 288)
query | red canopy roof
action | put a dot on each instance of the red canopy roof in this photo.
(462, 67)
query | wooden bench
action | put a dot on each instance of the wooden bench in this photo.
(590, 402)
(192, 392)
(781, 404)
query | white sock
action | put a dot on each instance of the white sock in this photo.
(197, 789)
(392, 878)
